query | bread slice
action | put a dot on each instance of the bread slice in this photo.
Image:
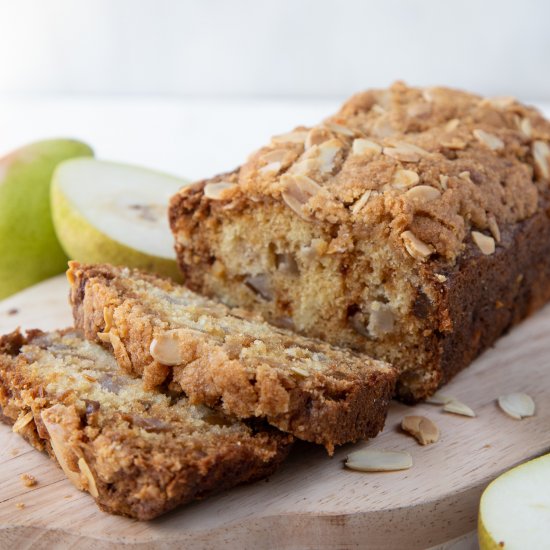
(139, 453)
(412, 225)
(228, 358)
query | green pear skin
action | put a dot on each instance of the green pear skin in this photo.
(29, 249)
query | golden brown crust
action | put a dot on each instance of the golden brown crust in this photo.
(138, 453)
(395, 213)
(251, 369)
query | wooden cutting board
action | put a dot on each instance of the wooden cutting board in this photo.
(312, 502)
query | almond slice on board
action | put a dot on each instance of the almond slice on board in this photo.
(424, 430)
(457, 407)
(371, 460)
(440, 399)
(517, 405)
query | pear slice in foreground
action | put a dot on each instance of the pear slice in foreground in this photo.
(29, 249)
(514, 511)
(106, 212)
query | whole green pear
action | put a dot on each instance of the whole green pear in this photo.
(29, 249)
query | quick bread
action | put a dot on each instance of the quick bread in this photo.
(138, 453)
(413, 225)
(230, 359)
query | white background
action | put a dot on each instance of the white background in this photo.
(272, 47)
(192, 86)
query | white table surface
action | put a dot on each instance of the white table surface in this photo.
(193, 138)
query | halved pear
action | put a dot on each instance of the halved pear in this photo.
(514, 512)
(106, 212)
(29, 249)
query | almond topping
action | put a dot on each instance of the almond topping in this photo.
(58, 440)
(316, 136)
(444, 181)
(327, 151)
(300, 371)
(298, 136)
(517, 405)
(403, 179)
(490, 140)
(421, 428)
(541, 154)
(303, 167)
(525, 127)
(405, 152)
(271, 168)
(423, 193)
(418, 249)
(493, 228)
(457, 407)
(441, 278)
(371, 460)
(485, 243)
(452, 125)
(363, 146)
(90, 484)
(215, 191)
(359, 203)
(174, 347)
(339, 129)
(299, 189)
(22, 421)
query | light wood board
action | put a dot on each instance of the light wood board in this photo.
(312, 502)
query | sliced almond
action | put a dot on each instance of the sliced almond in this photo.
(271, 168)
(415, 247)
(541, 155)
(457, 407)
(22, 421)
(525, 127)
(441, 278)
(339, 129)
(316, 136)
(452, 125)
(405, 152)
(371, 460)
(517, 405)
(300, 371)
(90, 484)
(298, 190)
(275, 155)
(439, 399)
(403, 179)
(327, 152)
(361, 201)
(303, 167)
(421, 428)
(215, 191)
(297, 136)
(423, 193)
(500, 102)
(444, 181)
(490, 140)
(493, 228)
(485, 243)
(59, 441)
(174, 347)
(365, 146)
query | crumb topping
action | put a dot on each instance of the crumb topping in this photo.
(434, 164)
